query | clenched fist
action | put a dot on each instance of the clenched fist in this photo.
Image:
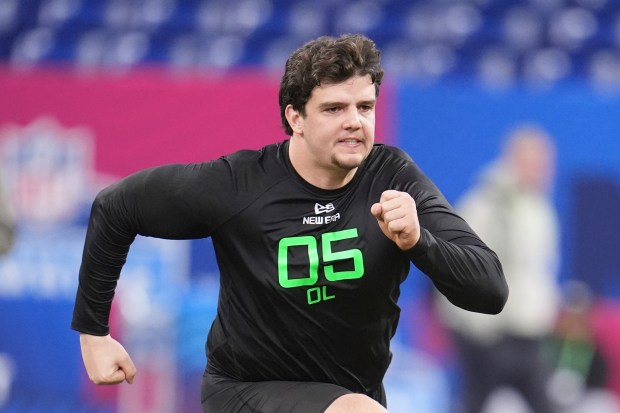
(397, 216)
(105, 360)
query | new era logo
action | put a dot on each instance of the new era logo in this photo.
(323, 209)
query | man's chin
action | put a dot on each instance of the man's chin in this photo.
(348, 162)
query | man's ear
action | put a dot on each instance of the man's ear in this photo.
(295, 120)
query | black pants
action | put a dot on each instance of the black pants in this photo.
(222, 394)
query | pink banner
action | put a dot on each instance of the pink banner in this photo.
(150, 117)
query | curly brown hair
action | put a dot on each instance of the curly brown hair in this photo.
(326, 60)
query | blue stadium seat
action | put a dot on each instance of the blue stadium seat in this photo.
(496, 41)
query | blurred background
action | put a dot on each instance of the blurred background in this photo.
(91, 91)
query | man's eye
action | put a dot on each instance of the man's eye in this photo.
(332, 109)
(365, 108)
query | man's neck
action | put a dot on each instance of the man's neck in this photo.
(317, 175)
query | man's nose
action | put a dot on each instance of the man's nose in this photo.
(353, 120)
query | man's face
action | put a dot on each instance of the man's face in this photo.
(339, 125)
(533, 160)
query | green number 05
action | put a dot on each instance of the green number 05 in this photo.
(329, 256)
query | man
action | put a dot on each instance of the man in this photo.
(313, 237)
(510, 207)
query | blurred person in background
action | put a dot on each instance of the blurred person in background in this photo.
(7, 239)
(313, 237)
(7, 221)
(579, 383)
(510, 208)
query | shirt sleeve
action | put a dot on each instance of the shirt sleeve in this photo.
(171, 202)
(460, 265)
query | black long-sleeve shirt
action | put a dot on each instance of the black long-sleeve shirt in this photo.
(308, 282)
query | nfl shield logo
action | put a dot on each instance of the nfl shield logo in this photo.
(47, 170)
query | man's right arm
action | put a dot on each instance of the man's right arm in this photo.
(173, 202)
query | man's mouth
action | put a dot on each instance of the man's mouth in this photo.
(350, 141)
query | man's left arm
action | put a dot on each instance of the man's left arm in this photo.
(443, 246)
